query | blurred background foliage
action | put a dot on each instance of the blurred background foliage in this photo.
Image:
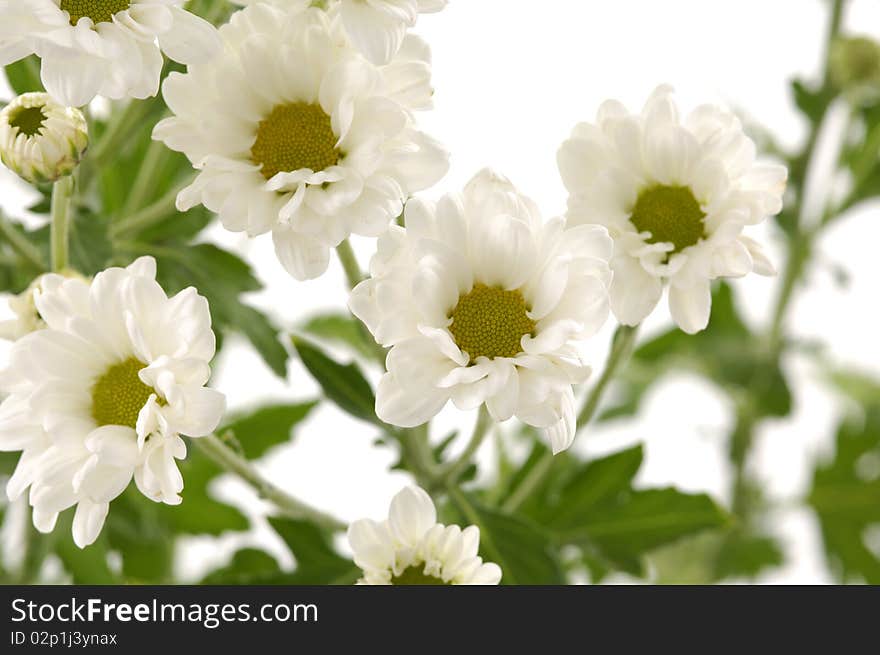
(544, 519)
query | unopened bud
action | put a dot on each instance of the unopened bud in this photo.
(41, 140)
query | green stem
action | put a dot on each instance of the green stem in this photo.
(24, 248)
(800, 242)
(532, 481)
(454, 469)
(144, 180)
(117, 130)
(472, 516)
(418, 454)
(621, 348)
(798, 255)
(62, 197)
(349, 263)
(146, 217)
(354, 275)
(215, 448)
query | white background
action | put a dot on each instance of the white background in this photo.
(512, 77)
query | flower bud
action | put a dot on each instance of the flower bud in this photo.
(855, 66)
(41, 140)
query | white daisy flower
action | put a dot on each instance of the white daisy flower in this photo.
(40, 140)
(376, 27)
(675, 194)
(411, 548)
(483, 302)
(111, 48)
(295, 133)
(103, 393)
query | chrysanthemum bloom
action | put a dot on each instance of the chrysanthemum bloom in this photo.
(676, 196)
(111, 48)
(41, 140)
(376, 27)
(103, 393)
(411, 548)
(294, 132)
(483, 302)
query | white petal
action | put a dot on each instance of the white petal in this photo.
(634, 292)
(88, 521)
(411, 514)
(73, 80)
(691, 306)
(303, 256)
(373, 31)
(191, 39)
(406, 406)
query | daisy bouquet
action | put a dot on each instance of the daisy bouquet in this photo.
(165, 140)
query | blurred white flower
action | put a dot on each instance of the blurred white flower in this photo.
(483, 302)
(295, 133)
(111, 48)
(27, 318)
(41, 140)
(376, 27)
(411, 548)
(103, 393)
(675, 196)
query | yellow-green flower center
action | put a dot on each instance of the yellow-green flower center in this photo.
(100, 11)
(28, 120)
(294, 136)
(671, 214)
(490, 322)
(119, 395)
(415, 575)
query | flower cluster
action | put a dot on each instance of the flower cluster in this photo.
(299, 117)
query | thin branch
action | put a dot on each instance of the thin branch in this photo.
(24, 248)
(215, 448)
(621, 348)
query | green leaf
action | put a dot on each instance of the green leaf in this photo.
(726, 352)
(744, 555)
(521, 548)
(593, 505)
(136, 530)
(260, 429)
(199, 513)
(344, 384)
(339, 328)
(178, 227)
(812, 103)
(90, 248)
(640, 521)
(24, 75)
(87, 565)
(249, 566)
(598, 481)
(316, 561)
(845, 495)
(858, 385)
